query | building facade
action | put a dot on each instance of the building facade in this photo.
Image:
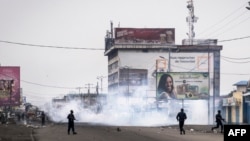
(137, 57)
(236, 104)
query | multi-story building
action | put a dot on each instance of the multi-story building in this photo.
(137, 57)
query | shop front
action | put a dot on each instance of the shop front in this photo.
(233, 108)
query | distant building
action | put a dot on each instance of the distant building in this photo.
(246, 104)
(91, 101)
(235, 104)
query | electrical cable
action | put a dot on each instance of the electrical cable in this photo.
(237, 62)
(49, 46)
(236, 58)
(221, 21)
(231, 27)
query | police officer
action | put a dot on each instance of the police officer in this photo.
(181, 117)
(218, 120)
(71, 119)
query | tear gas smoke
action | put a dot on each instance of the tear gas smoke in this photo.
(136, 110)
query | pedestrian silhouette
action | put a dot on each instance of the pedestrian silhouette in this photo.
(43, 118)
(218, 120)
(71, 119)
(181, 117)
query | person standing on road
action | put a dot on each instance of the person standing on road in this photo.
(181, 117)
(43, 118)
(218, 120)
(71, 119)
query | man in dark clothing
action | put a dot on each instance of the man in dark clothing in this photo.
(219, 120)
(71, 119)
(43, 118)
(181, 117)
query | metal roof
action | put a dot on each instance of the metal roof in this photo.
(241, 83)
(246, 94)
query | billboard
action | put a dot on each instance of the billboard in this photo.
(195, 62)
(9, 86)
(145, 35)
(182, 85)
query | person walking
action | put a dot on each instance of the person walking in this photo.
(71, 119)
(43, 118)
(181, 117)
(218, 120)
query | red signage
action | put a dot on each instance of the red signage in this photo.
(145, 35)
(9, 86)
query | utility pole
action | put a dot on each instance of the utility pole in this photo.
(169, 57)
(209, 81)
(89, 98)
(79, 89)
(88, 87)
(81, 95)
(97, 88)
(101, 78)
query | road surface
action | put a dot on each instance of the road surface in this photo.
(87, 132)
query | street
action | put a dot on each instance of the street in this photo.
(87, 132)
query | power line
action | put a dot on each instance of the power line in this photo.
(221, 21)
(231, 27)
(38, 84)
(234, 39)
(236, 58)
(236, 73)
(48, 46)
(48, 85)
(61, 47)
(236, 61)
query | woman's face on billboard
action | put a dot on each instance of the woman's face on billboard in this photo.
(169, 84)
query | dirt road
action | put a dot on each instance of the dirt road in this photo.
(86, 132)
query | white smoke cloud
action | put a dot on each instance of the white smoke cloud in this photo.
(136, 110)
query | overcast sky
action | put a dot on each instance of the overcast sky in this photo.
(83, 24)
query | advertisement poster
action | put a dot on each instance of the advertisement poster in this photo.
(182, 85)
(9, 86)
(145, 35)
